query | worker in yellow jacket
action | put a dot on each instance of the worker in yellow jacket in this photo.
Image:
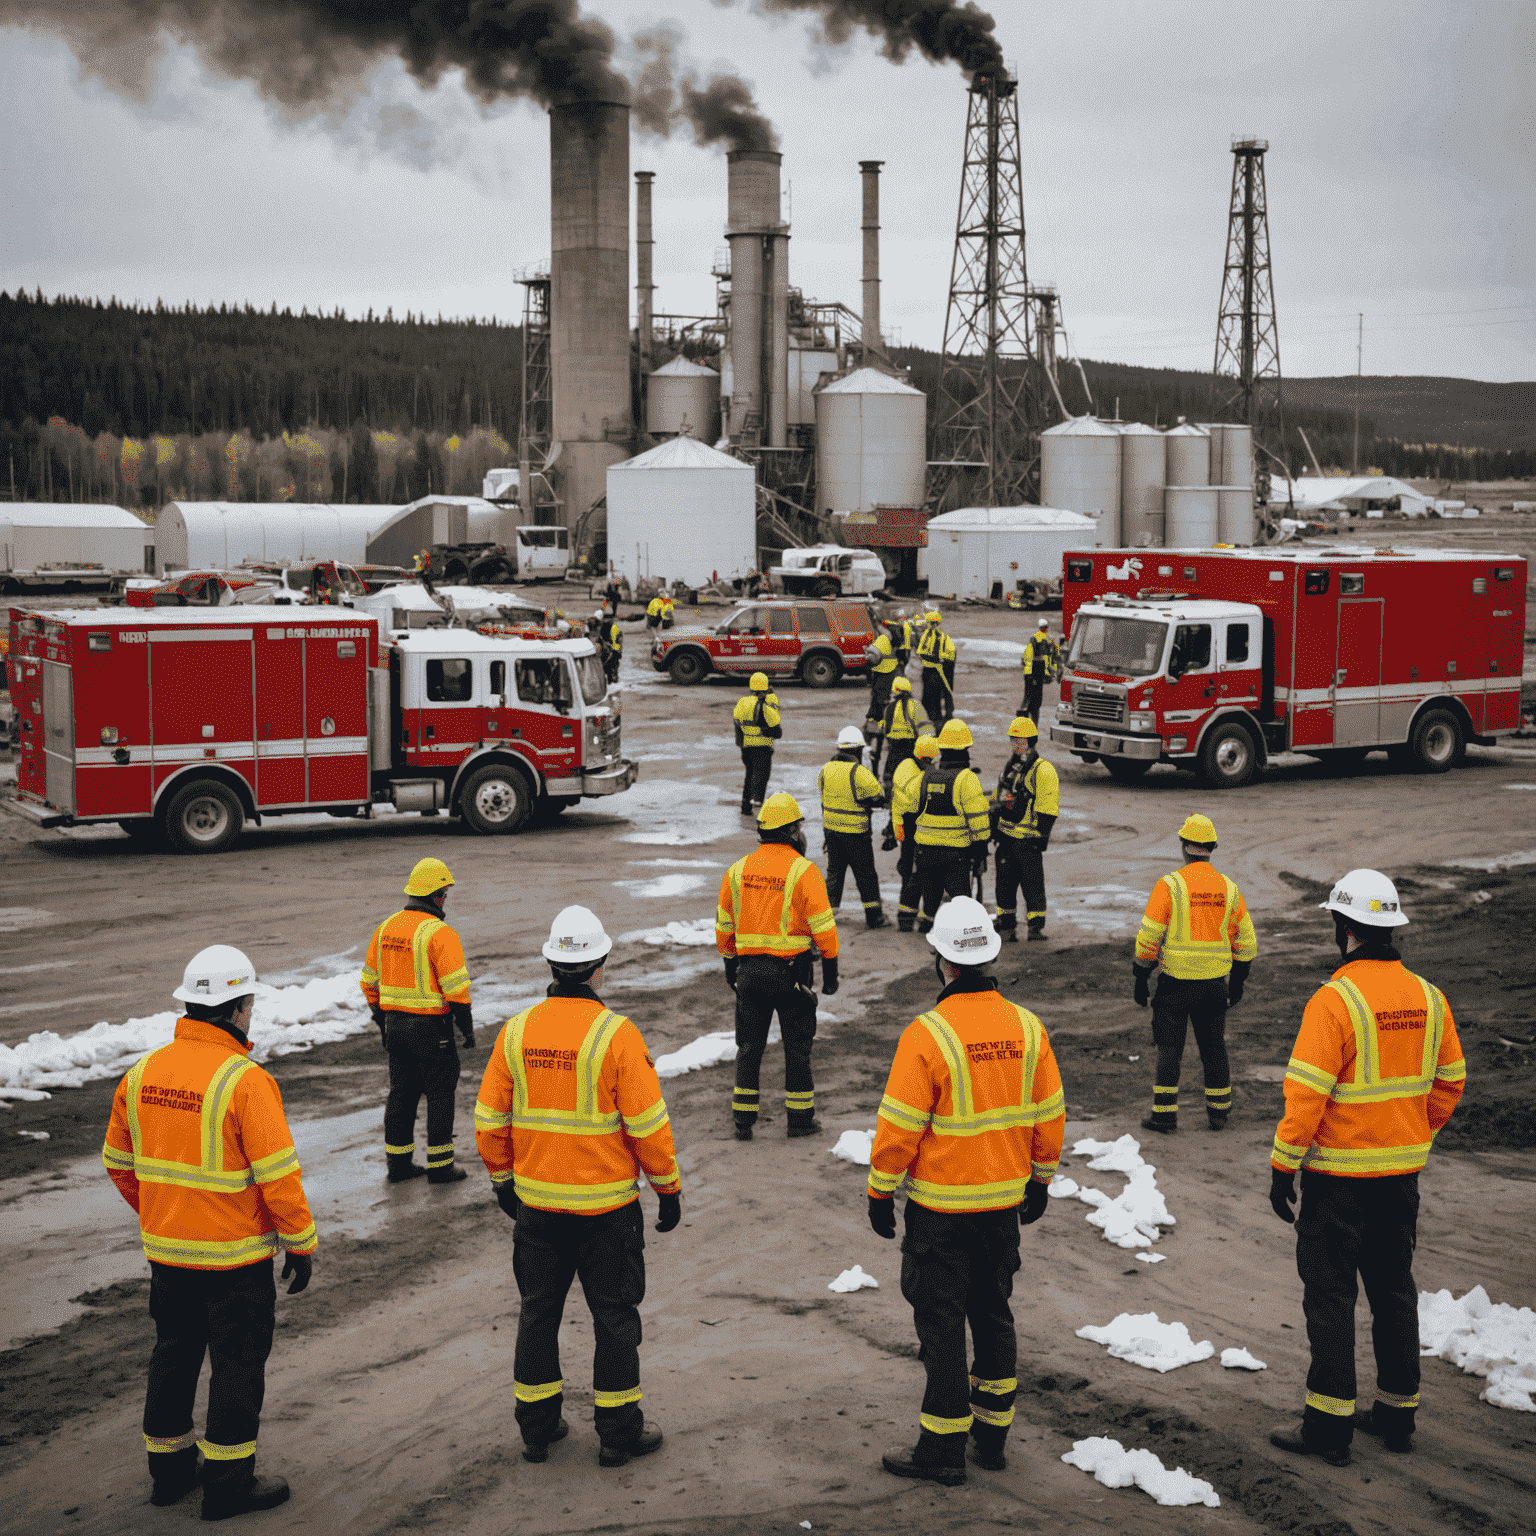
(849, 792)
(951, 825)
(882, 673)
(936, 651)
(1025, 808)
(1042, 665)
(905, 720)
(758, 725)
(904, 787)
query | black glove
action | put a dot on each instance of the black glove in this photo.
(1282, 1194)
(905, 859)
(1036, 1198)
(301, 1267)
(979, 858)
(1143, 991)
(828, 977)
(506, 1198)
(888, 842)
(378, 1018)
(464, 1022)
(882, 1216)
(1236, 981)
(669, 1212)
(732, 964)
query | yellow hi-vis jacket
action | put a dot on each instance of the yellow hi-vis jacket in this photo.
(1375, 1072)
(906, 719)
(415, 964)
(1038, 793)
(973, 1107)
(904, 782)
(849, 792)
(1042, 659)
(774, 902)
(952, 810)
(757, 720)
(887, 662)
(1197, 919)
(935, 649)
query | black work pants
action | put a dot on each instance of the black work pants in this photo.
(422, 1061)
(1034, 697)
(607, 1253)
(1175, 1007)
(956, 1269)
(1020, 869)
(874, 721)
(941, 872)
(758, 763)
(611, 666)
(897, 752)
(1365, 1227)
(766, 985)
(938, 698)
(911, 894)
(228, 1315)
(855, 851)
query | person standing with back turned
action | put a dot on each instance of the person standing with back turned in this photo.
(849, 792)
(936, 651)
(758, 725)
(1042, 665)
(1375, 1073)
(951, 824)
(1026, 806)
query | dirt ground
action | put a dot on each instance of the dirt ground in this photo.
(389, 1401)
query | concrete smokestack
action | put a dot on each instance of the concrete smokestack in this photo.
(759, 293)
(589, 298)
(644, 248)
(871, 310)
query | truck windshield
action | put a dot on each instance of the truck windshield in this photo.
(589, 672)
(1125, 647)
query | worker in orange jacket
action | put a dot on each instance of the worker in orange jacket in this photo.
(416, 981)
(569, 1113)
(773, 911)
(199, 1146)
(972, 1118)
(1375, 1072)
(1197, 925)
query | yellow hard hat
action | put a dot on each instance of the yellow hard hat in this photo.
(780, 810)
(1198, 829)
(955, 735)
(933, 616)
(925, 746)
(428, 877)
(758, 682)
(901, 685)
(1024, 726)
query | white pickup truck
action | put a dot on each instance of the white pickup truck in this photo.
(828, 570)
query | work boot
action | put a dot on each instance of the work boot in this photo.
(1037, 934)
(259, 1493)
(986, 1450)
(649, 1439)
(538, 1450)
(743, 1130)
(452, 1174)
(1295, 1441)
(1392, 1439)
(1008, 935)
(1164, 1125)
(804, 1128)
(402, 1170)
(876, 919)
(906, 924)
(905, 1464)
(176, 1480)
(1217, 1122)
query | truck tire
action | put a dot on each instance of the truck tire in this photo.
(1438, 742)
(819, 670)
(456, 573)
(495, 800)
(687, 668)
(1228, 759)
(1127, 770)
(202, 817)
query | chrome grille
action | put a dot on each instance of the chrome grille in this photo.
(1104, 708)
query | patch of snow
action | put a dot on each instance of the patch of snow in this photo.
(1241, 1360)
(1136, 1217)
(676, 975)
(1100, 908)
(1138, 1337)
(1061, 1187)
(686, 931)
(677, 864)
(1520, 786)
(1151, 1258)
(1484, 1338)
(34, 1135)
(672, 813)
(26, 1095)
(662, 887)
(1115, 1467)
(854, 1280)
(991, 653)
(855, 1147)
(1501, 861)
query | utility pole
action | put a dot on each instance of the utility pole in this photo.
(1354, 458)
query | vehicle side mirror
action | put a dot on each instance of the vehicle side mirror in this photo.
(1175, 667)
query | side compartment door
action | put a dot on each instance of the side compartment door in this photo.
(1357, 675)
(336, 718)
(449, 719)
(112, 752)
(201, 703)
(1505, 651)
(59, 734)
(280, 717)
(1314, 659)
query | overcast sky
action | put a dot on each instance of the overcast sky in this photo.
(1401, 178)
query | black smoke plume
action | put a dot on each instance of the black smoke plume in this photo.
(719, 111)
(940, 30)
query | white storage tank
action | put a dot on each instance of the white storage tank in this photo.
(806, 367)
(1189, 457)
(1080, 470)
(977, 549)
(871, 443)
(1236, 455)
(683, 397)
(1191, 519)
(1234, 514)
(1143, 468)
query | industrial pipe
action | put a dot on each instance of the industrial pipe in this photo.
(644, 287)
(870, 318)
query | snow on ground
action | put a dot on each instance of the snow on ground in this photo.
(991, 653)
(1501, 861)
(1136, 1217)
(1100, 908)
(854, 1280)
(1061, 1187)
(675, 864)
(1492, 1340)
(672, 813)
(688, 931)
(1151, 1258)
(1241, 1360)
(707, 1051)
(855, 1147)
(662, 887)
(1138, 1337)
(1115, 1467)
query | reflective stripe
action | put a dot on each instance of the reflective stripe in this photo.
(173, 1443)
(937, 1426)
(440, 1156)
(584, 1120)
(903, 1115)
(401, 1151)
(527, 1394)
(1396, 1399)
(1407, 1159)
(995, 1388)
(575, 1197)
(1340, 1407)
(647, 1122)
(159, 1170)
(616, 1399)
(278, 1165)
(1451, 1072)
(114, 1157)
(299, 1242)
(424, 996)
(1299, 1071)
(194, 1253)
(883, 1183)
(488, 1119)
(969, 1197)
(454, 981)
(1286, 1155)
(1044, 1172)
(799, 1100)
(1369, 1086)
(370, 977)
(1184, 956)
(216, 1099)
(226, 1452)
(1001, 1417)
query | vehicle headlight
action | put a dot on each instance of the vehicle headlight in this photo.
(1178, 743)
(1144, 722)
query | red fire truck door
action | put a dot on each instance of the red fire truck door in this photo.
(336, 718)
(200, 699)
(1357, 676)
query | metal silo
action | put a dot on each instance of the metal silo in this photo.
(683, 397)
(871, 443)
(1189, 456)
(1143, 465)
(1236, 455)
(1234, 514)
(1191, 518)
(1080, 472)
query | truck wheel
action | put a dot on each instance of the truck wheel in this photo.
(1127, 770)
(455, 573)
(687, 668)
(820, 671)
(1437, 743)
(827, 588)
(495, 800)
(1228, 758)
(203, 817)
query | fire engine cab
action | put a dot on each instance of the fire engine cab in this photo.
(187, 725)
(1212, 659)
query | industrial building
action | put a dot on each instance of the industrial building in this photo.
(223, 534)
(988, 552)
(37, 535)
(1356, 496)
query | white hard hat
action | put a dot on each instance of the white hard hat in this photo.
(850, 736)
(963, 932)
(576, 938)
(1366, 896)
(598, 614)
(215, 975)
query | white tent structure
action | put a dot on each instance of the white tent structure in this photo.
(977, 549)
(682, 512)
(1357, 494)
(34, 534)
(222, 534)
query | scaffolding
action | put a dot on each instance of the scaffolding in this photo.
(535, 426)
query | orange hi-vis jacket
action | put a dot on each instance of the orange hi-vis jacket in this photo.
(415, 964)
(198, 1145)
(1197, 918)
(774, 902)
(973, 1107)
(570, 1109)
(1375, 1072)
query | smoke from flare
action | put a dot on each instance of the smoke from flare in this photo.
(941, 30)
(721, 111)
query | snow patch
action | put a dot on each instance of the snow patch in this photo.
(662, 886)
(991, 653)
(686, 931)
(1484, 1338)
(1241, 1360)
(672, 813)
(1151, 1258)
(1061, 1187)
(707, 1051)
(855, 1147)
(854, 1280)
(1138, 1337)
(1138, 1215)
(1501, 861)
(1100, 908)
(1115, 1467)
(34, 1135)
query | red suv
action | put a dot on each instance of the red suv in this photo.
(816, 642)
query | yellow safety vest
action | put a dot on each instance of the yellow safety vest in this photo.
(840, 784)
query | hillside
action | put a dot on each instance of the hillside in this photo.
(1461, 412)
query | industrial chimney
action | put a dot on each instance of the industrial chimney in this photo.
(870, 318)
(589, 298)
(759, 295)
(644, 286)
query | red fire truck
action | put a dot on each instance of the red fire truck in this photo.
(188, 724)
(1214, 659)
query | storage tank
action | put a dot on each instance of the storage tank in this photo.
(1234, 514)
(871, 443)
(1236, 455)
(683, 398)
(979, 550)
(1080, 471)
(1189, 457)
(1191, 517)
(1143, 466)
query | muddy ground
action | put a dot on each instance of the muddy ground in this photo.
(389, 1390)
